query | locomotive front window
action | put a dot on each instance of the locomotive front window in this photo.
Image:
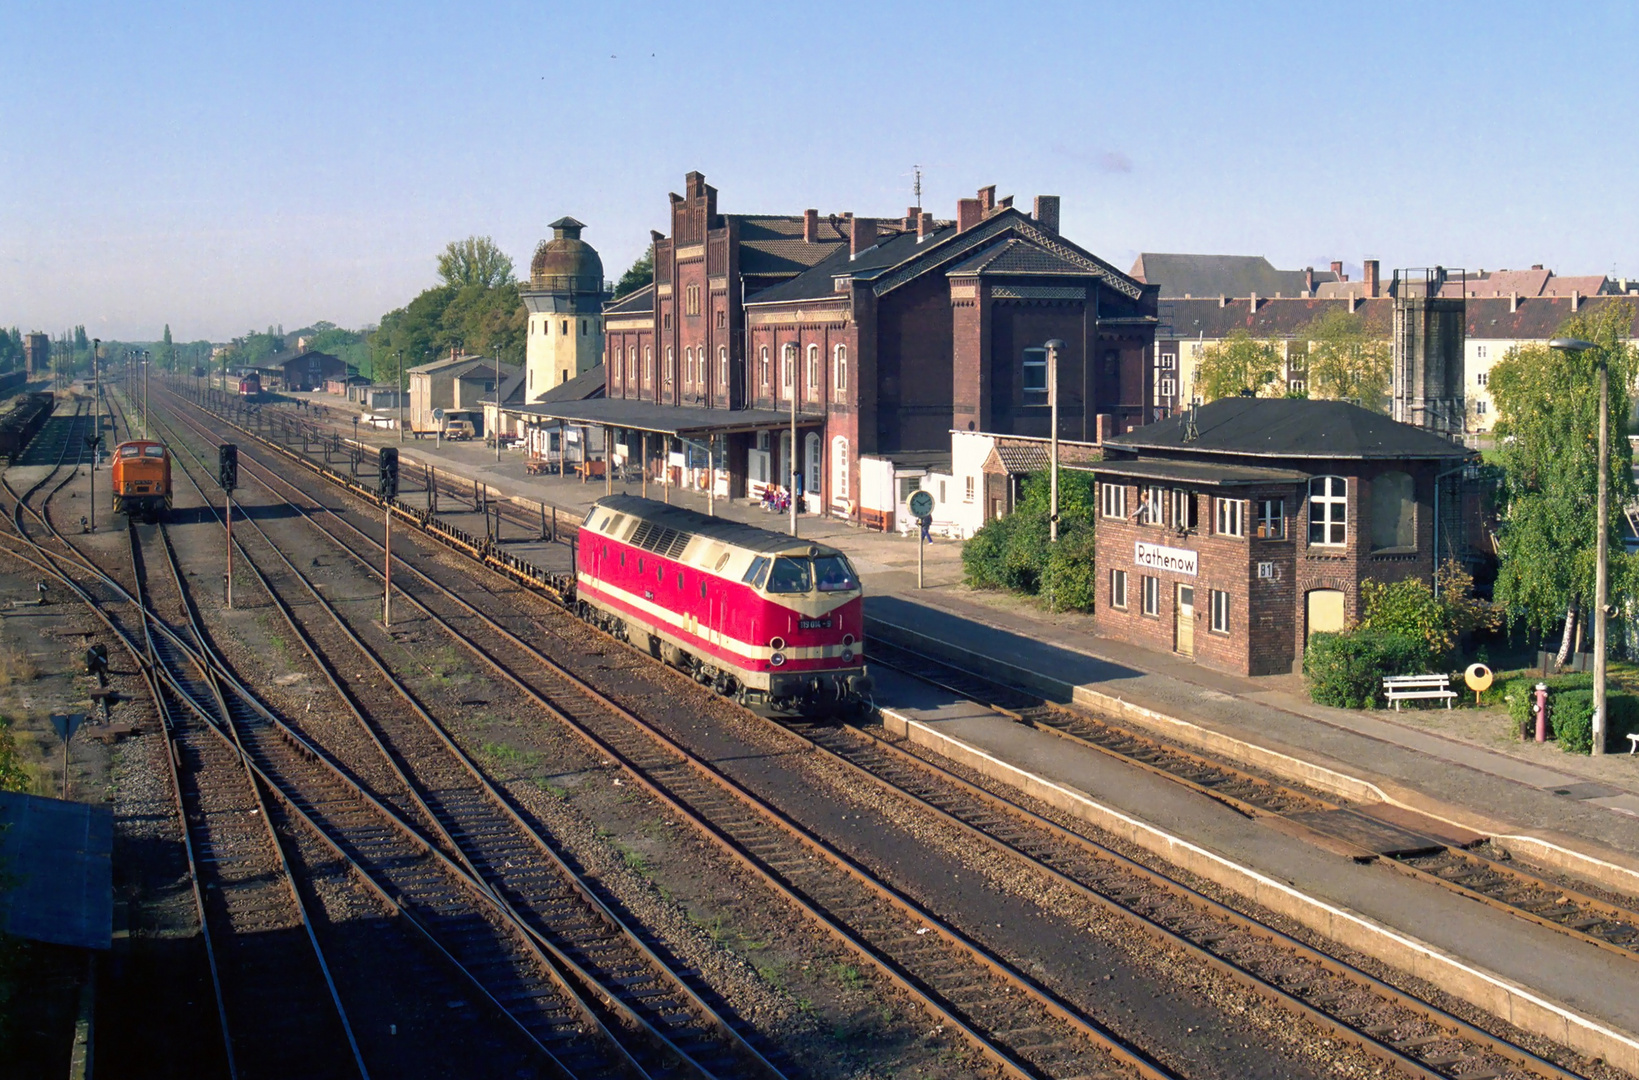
(153, 451)
(755, 572)
(789, 576)
(833, 574)
(129, 451)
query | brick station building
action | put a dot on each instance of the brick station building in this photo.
(888, 333)
(1232, 534)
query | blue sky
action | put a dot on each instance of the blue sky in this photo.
(224, 166)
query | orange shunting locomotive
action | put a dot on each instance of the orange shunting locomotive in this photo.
(142, 479)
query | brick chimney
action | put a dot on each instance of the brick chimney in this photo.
(1252, 305)
(1047, 213)
(1513, 302)
(910, 219)
(969, 212)
(924, 226)
(1576, 300)
(1337, 271)
(987, 199)
(862, 235)
(810, 226)
(1370, 275)
(1309, 280)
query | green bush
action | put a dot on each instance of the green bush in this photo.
(1346, 670)
(1070, 580)
(1521, 698)
(1570, 712)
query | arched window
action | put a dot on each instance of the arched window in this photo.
(722, 366)
(1329, 511)
(839, 467)
(840, 370)
(648, 365)
(1394, 512)
(631, 364)
(812, 376)
(762, 368)
(671, 365)
(788, 369)
(688, 368)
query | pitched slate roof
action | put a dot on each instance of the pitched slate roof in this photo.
(1289, 428)
(1017, 256)
(1195, 471)
(588, 384)
(1031, 455)
(772, 244)
(1220, 275)
(1275, 318)
(637, 302)
(820, 281)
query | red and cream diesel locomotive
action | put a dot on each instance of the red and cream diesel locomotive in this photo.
(773, 621)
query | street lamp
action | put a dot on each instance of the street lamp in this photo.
(1053, 348)
(145, 358)
(1601, 556)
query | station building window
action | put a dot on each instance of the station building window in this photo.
(1230, 517)
(1118, 589)
(1394, 512)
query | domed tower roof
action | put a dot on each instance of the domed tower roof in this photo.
(566, 263)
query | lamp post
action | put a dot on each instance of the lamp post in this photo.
(1602, 541)
(96, 425)
(145, 359)
(401, 395)
(1053, 348)
(498, 418)
(791, 472)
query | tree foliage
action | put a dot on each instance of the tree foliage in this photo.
(1238, 365)
(1410, 608)
(639, 274)
(475, 261)
(1348, 361)
(482, 319)
(14, 775)
(1014, 553)
(165, 355)
(1548, 429)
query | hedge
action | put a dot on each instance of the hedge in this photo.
(1570, 711)
(1346, 670)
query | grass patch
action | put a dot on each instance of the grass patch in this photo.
(552, 789)
(849, 976)
(502, 754)
(17, 666)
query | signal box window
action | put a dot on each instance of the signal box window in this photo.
(1118, 589)
(1185, 510)
(1152, 595)
(1230, 517)
(1152, 506)
(1220, 612)
(1271, 519)
(1113, 500)
(1329, 511)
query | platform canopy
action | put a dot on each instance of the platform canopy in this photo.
(684, 423)
(56, 871)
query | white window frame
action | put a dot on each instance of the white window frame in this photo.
(839, 467)
(1220, 611)
(1169, 387)
(1229, 517)
(1272, 526)
(788, 368)
(1152, 505)
(1479, 407)
(762, 367)
(1028, 363)
(968, 497)
(813, 373)
(1169, 361)
(1484, 377)
(1332, 500)
(1112, 500)
(1150, 601)
(671, 365)
(1184, 507)
(840, 369)
(722, 366)
(1118, 589)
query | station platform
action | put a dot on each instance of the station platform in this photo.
(1575, 815)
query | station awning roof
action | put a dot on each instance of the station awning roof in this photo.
(681, 421)
(1193, 472)
(58, 857)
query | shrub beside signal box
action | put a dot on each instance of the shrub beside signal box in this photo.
(227, 466)
(387, 473)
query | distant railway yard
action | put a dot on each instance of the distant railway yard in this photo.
(503, 825)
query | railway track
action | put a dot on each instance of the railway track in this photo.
(1413, 1035)
(1487, 878)
(1011, 1020)
(481, 829)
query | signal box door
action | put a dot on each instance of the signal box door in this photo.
(1183, 608)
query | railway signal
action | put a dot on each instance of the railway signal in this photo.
(387, 473)
(227, 474)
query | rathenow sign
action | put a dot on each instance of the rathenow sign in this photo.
(1160, 557)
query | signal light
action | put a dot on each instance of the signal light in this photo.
(227, 466)
(387, 473)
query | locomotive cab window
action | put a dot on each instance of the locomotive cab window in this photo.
(833, 574)
(153, 451)
(129, 451)
(755, 572)
(790, 576)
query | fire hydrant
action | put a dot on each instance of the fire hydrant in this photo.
(1542, 712)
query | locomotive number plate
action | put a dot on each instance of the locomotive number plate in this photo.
(813, 624)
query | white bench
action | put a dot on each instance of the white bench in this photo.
(1400, 688)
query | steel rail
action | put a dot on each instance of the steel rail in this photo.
(1498, 885)
(627, 998)
(1108, 879)
(942, 1009)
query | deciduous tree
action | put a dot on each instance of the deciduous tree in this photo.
(639, 274)
(1548, 427)
(1238, 365)
(1348, 360)
(474, 261)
